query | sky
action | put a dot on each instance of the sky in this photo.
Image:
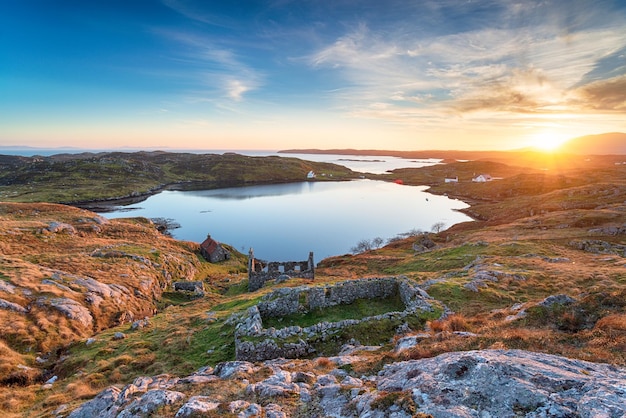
(281, 74)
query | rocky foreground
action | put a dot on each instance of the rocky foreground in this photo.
(485, 383)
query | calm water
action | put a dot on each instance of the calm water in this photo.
(284, 222)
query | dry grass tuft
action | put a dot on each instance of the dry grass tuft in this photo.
(323, 363)
(80, 390)
(14, 400)
(419, 352)
(455, 322)
(610, 323)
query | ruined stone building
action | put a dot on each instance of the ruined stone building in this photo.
(213, 251)
(260, 271)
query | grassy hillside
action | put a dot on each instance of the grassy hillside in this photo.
(537, 234)
(82, 178)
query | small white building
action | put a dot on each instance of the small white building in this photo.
(451, 179)
(310, 175)
(482, 178)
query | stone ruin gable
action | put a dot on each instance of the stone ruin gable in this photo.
(255, 343)
(260, 271)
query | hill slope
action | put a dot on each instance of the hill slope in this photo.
(603, 144)
(87, 177)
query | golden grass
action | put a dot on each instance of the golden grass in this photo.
(451, 323)
(14, 400)
(612, 323)
(323, 364)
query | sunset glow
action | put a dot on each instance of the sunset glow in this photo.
(401, 74)
(548, 141)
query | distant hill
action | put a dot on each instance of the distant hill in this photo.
(613, 143)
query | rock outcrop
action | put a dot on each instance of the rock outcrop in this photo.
(67, 273)
(487, 383)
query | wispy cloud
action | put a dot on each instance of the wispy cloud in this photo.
(236, 89)
(197, 12)
(214, 70)
(516, 68)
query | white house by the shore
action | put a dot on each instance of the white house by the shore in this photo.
(482, 178)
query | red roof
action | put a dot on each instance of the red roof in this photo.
(209, 245)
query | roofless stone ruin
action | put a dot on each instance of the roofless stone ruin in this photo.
(260, 271)
(254, 342)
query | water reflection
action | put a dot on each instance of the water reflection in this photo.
(285, 221)
(242, 193)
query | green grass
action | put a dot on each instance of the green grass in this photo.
(236, 304)
(180, 339)
(367, 332)
(461, 300)
(219, 339)
(237, 289)
(439, 260)
(361, 308)
(372, 332)
(174, 298)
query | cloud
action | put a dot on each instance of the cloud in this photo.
(528, 61)
(608, 95)
(236, 88)
(193, 11)
(208, 65)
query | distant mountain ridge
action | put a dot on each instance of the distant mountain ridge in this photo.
(613, 143)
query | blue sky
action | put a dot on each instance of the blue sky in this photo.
(398, 74)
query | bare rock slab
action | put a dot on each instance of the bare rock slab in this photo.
(507, 383)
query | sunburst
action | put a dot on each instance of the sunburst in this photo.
(547, 141)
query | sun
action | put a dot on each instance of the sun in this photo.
(547, 141)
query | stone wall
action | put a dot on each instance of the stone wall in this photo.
(194, 288)
(260, 271)
(253, 342)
